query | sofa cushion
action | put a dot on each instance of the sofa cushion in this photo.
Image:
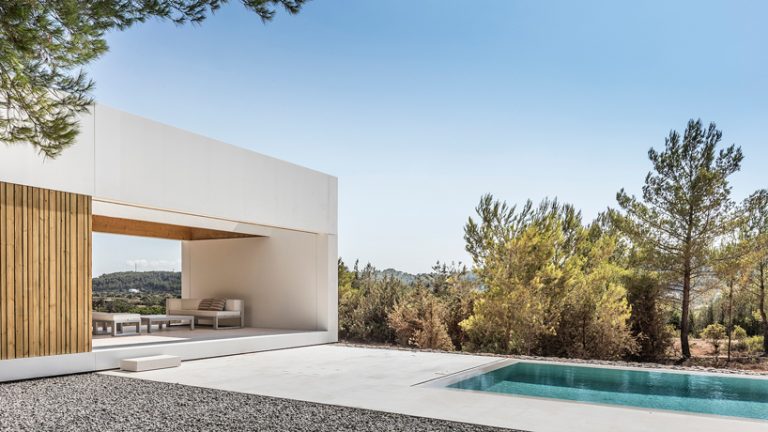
(211, 314)
(212, 305)
(117, 317)
(189, 304)
(234, 305)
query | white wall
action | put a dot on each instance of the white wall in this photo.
(70, 172)
(127, 159)
(288, 280)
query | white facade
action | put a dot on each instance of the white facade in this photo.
(127, 159)
(142, 170)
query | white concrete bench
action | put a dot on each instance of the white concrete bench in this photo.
(140, 364)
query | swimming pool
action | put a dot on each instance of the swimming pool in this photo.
(698, 393)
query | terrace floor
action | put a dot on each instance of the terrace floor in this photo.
(179, 334)
(393, 381)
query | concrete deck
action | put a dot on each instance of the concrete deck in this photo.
(179, 334)
(388, 380)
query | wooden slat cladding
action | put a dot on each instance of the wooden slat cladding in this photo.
(45, 272)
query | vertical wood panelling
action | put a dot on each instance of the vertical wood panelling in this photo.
(3, 281)
(18, 270)
(10, 276)
(45, 259)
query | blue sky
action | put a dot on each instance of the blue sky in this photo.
(419, 107)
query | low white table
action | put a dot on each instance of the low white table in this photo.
(166, 319)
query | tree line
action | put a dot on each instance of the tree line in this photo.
(135, 292)
(682, 257)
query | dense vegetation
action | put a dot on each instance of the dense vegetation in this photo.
(136, 292)
(682, 260)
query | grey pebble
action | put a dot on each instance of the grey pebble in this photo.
(105, 403)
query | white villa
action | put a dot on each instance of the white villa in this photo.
(257, 231)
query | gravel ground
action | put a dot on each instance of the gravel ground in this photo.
(93, 402)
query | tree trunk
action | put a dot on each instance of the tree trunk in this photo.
(763, 314)
(729, 329)
(684, 324)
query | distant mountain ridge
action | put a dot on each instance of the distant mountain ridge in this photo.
(404, 277)
(169, 282)
(409, 278)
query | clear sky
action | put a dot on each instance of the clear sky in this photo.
(419, 107)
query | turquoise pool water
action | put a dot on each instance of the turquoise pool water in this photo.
(709, 394)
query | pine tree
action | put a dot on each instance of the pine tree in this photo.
(45, 44)
(757, 232)
(685, 207)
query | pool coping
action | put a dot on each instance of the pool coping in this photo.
(444, 382)
(624, 364)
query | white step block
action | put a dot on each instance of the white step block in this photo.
(140, 364)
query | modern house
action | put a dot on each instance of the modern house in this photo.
(251, 227)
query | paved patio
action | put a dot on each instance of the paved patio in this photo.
(388, 380)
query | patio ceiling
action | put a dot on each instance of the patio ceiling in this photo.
(112, 225)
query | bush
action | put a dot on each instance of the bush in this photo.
(418, 320)
(714, 334)
(648, 318)
(754, 345)
(365, 302)
(739, 335)
(148, 310)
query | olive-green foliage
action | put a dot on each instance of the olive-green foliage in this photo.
(738, 333)
(365, 302)
(756, 231)
(754, 345)
(418, 320)
(685, 208)
(649, 318)
(45, 44)
(623, 285)
(135, 292)
(715, 334)
(456, 289)
(550, 284)
(745, 312)
(153, 282)
(424, 313)
(739, 336)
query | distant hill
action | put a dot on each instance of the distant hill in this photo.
(147, 282)
(404, 277)
(167, 282)
(408, 278)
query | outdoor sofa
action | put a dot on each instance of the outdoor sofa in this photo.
(209, 310)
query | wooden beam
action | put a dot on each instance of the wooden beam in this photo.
(111, 225)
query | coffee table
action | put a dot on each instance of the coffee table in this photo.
(166, 319)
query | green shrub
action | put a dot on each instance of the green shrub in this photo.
(148, 310)
(670, 331)
(739, 335)
(714, 334)
(754, 344)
